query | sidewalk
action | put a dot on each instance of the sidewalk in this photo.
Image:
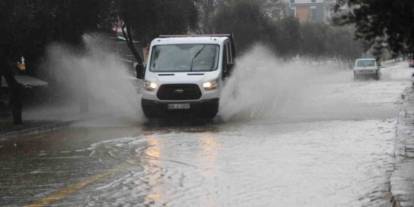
(402, 179)
(8, 129)
(50, 118)
(38, 120)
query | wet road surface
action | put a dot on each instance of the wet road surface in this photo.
(326, 154)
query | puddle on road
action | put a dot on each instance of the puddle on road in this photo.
(342, 163)
(165, 126)
(258, 156)
(293, 164)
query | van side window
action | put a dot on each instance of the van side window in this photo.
(225, 57)
(229, 53)
(225, 65)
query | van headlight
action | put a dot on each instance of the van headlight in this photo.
(210, 85)
(150, 86)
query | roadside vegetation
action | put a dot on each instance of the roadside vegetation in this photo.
(29, 26)
(384, 24)
(250, 22)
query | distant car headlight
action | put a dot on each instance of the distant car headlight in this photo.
(210, 85)
(150, 86)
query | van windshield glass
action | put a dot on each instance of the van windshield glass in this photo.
(184, 58)
(366, 63)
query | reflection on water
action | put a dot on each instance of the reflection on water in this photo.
(209, 149)
(153, 154)
(153, 150)
(208, 154)
(167, 170)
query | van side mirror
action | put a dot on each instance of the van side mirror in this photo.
(140, 70)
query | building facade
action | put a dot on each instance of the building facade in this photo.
(311, 10)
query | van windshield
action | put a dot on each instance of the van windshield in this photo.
(184, 58)
(366, 63)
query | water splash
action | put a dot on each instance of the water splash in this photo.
(95, 75)
(264, 86)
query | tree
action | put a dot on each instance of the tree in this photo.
(207, 10)
(143, 20)
(6, 70)
(315, 40)
(275, 9)
(10, 20)
(289, 39)
(265, 21)
(148, 19)
(341, 43)
(380, 20)
(29, 25)
(246, 20)
(322, 40)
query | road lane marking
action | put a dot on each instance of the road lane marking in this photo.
(68, 190)
(65, 192)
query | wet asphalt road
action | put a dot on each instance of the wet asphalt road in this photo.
(325, 154)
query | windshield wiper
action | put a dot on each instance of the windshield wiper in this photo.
(195, 56)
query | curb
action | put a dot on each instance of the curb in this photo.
(35, 130)
(400, 147)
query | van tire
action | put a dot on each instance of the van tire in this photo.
(377, 76)
(356, 76)
(150, 112)
(210, 110)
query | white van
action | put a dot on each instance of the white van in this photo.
(366, 67)
(186, 74)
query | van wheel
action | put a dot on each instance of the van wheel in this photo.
(210, 110)
(150, 112)
(356, 77)
(377, 76)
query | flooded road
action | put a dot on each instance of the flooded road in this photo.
(337, 149)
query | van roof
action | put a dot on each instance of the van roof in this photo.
(167, 40)
(365, 59)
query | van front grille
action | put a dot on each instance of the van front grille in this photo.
(179, 92)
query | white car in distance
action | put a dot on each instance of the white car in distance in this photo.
(366, 67)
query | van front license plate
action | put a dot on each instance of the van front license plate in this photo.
(180, 106)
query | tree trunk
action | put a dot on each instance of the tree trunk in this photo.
(84, 99)
(127, 32)
(15, 99)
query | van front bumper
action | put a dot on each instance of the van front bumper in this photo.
(164, 107)
(366, 72)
